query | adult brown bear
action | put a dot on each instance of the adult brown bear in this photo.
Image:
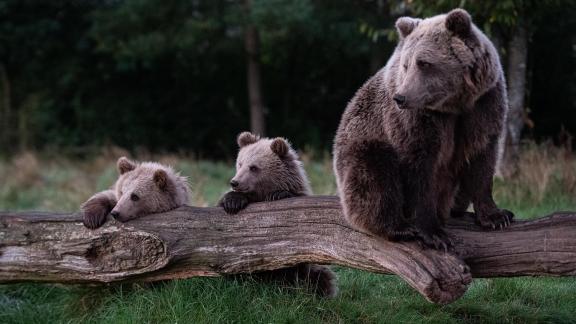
(418, 140)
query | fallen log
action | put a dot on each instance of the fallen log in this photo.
(193, 241)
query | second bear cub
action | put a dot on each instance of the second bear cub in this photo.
(268, 170)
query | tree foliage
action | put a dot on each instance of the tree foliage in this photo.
(170, 75)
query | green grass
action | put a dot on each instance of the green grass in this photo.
(61, 185)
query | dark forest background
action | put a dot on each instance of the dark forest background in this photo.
(187, 76)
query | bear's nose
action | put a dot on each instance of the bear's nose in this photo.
(115, 214)
(234, 183)
(400, 99)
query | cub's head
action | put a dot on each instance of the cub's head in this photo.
(266, 165)
(146, 188)
(443, 63)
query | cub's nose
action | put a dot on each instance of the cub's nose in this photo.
(115, 214)
(234, 183)
(400, 99)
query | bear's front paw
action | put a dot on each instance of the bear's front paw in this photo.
(277, 195)
(401, 234)
(94, 212)
(233, 202)
(437, 239)
(498, 219)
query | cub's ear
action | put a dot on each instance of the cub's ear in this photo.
(161, 179)
(124, 165)
(405, 25)
(280, 146)
(247, 138)
(459, 22)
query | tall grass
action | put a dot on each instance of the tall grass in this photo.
(545, 182)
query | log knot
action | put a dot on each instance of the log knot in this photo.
(125, 251)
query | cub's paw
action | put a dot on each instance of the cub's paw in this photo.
(437, 240)
(94, 212)
(233, 202)
(277, 195)
(499, 219)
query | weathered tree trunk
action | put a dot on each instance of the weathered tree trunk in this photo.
(517, 64)
(252, 47)
(192, 241)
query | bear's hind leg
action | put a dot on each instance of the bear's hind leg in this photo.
(318, 279)
(371, 189)
(461, 204)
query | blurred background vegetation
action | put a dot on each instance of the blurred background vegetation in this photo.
(187, 76)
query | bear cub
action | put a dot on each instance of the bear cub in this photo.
(141, 189)
(268, 170)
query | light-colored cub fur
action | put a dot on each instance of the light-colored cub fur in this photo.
(141, 189)
(267, 170)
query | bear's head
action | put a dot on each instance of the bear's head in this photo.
(147, 188)
(267, 165)
(443, 63)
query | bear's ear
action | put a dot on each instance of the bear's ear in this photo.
(405, 25)
(459, 22)
(280, 146)
(124, 165)
(247, 138)
(161, 179)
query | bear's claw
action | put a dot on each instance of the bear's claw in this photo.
(233, 202)
(439, 240)
(500, 219)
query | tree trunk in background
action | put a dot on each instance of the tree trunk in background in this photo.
(252, 47)
(517, 62)
(5, 109)
(498, 41)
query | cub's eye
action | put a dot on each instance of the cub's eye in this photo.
(253, 168)
(424, 64)
(405, 66)
(239, 164)
(134, 197)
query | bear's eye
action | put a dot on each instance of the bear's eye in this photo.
(134, 197)
(405, 67)
(253, 168)
(424, 64)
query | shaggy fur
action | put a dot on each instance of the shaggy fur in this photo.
(418, 140)
(141, 189)
(268, 170)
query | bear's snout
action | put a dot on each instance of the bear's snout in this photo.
(234, 183)
(115, 214)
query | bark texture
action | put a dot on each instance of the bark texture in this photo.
(192, 241)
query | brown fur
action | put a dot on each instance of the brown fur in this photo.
(268, 170)
(418, 140)
(141, 189)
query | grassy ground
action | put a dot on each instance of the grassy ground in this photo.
(546, 182)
